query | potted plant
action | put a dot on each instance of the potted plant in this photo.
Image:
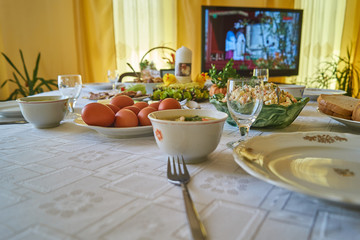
(340, 71)
(27, 84)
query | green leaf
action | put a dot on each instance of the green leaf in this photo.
(47, 83)
(21, 88)
(35, 72)
(4, 83)
(29, 82)
(13, 65)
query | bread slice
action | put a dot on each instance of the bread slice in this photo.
(331, 113)
(339, 104)
(356, 113)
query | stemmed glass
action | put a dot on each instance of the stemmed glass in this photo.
(70, 86)
(113, 76)
(262, 73)
(244, 100)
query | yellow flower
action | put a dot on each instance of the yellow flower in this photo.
(169, 79)
(201, 79)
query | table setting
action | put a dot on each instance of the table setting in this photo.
(74, 179)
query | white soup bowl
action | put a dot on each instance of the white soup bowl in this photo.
(192, 139)
(43, 111)
(295, 90)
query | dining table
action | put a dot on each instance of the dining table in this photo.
(71, 182)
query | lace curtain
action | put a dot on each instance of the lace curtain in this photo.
(322, 31)
(140, 25)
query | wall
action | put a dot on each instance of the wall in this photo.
(45, 26)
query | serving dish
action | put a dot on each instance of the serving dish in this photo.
(10, 109)
(347, 122)
(314, 93)
(271, 116)
(324, 165)
(114, 132)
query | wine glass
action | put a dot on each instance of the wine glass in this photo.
(262, 73)
(244, 100)
(70, 86)
(113, 76)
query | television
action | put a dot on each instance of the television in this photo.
(253, 38)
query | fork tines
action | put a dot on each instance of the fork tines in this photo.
(177, 160)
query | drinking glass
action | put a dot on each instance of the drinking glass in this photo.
(244, 100)
(113, 76)
(70, 86)
(262, 73)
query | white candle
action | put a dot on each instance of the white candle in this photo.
(183, 59)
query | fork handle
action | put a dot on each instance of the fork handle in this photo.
(197, 228)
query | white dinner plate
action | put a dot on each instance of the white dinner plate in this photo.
(347, 122)
(99, 86)
(141, 98)
(314, 93)
(10, 109)
(325, 165)
(125, 132)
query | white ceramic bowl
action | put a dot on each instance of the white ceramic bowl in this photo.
(43, 111)
(193, 140)
(295, 90)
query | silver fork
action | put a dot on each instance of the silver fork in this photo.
(181, 177)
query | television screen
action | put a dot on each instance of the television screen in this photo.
(253, 38)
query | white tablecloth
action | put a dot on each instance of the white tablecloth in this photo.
(70, 182)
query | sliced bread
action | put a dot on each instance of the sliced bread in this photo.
(331, 113)
(338, 104)
(356, 113)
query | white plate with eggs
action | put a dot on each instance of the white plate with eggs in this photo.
(118, 132)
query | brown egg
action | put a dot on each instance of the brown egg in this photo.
(141, 105)
(143, 116)
(97, 114)
(155, 105)
(169, 103)
(126, 118)
(133, 108)
(122, 101)
(113, 107)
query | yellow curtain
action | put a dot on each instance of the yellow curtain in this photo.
(95, 38)
(323, 23)
(351, 37)
(4, 92)
(189, 23)
(141, 25)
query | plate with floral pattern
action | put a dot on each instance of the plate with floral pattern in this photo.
(325, 165)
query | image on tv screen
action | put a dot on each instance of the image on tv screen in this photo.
(253, 38)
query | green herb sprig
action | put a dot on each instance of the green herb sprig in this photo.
(220, 78)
